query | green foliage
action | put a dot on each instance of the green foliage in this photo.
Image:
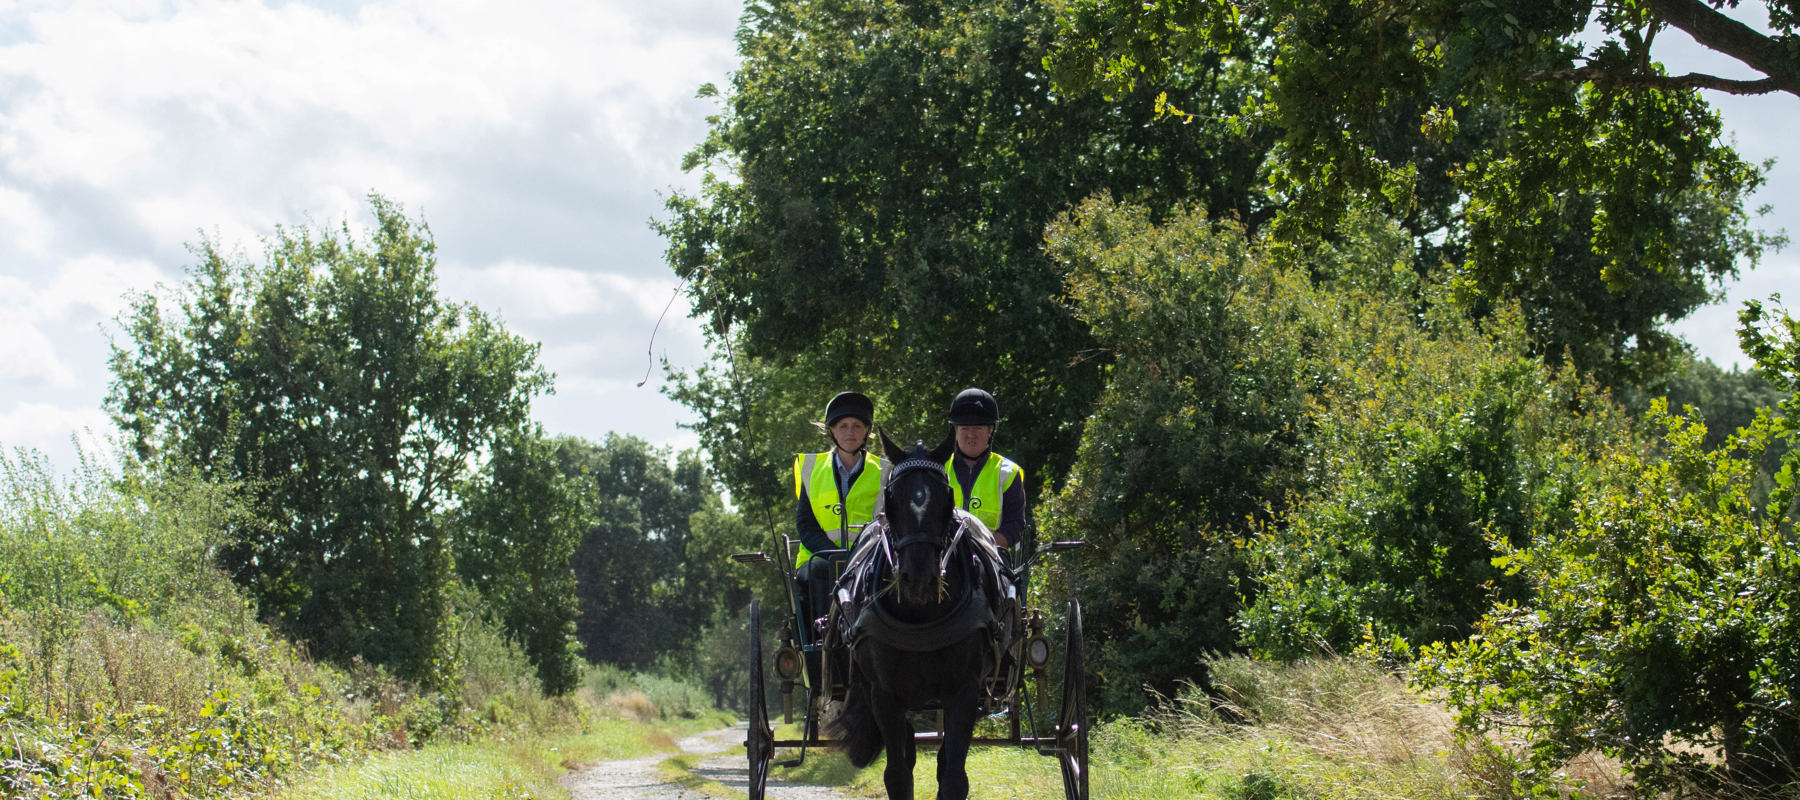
(1725, 400)
(1301, 447)
(716, 659)
(1659, 625)
(885, 171)
(754, 416)
(1193, 440)
(129, 665)
(1578, 186)
(648, 695)
(153, 677)
(1193, 430)
(1771, 337)
(520, 524)
(1328, 728)
(528, 766)
(1432, 446)
(651, 570)
(349, 401)
(127, 541)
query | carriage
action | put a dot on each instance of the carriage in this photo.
(815, 668)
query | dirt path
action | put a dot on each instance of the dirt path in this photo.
(636, 779)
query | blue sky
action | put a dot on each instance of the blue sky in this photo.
(537, 139)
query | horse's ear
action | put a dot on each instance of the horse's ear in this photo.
(893, 451)
(941, 453)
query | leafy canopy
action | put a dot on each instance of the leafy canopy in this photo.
(872, 214)
(349, 400)
(1580, 185)
(518, 525)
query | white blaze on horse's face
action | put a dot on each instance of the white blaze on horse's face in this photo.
(917, 505)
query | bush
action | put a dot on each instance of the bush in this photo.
(133, 542)
(1194, 437)
(1316, 728)
(129, 666)
(1660, 628)
(645, 696)
(1432, 450)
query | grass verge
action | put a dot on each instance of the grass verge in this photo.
(524, 767)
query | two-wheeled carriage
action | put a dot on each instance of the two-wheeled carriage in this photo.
(814, 663)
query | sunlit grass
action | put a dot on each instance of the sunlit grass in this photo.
(1323, 729)
(450, 772)
(1305, 731)
(527, 767)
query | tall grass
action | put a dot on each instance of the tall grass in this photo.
(132, 667)
(1264, 731)
(646, 697)
(1306, 730)
(129, 666)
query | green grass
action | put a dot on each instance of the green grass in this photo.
(448, 771)
(1304, 731)
(525, 767)
(1316, 730)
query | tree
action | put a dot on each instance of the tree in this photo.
(1659, 628)
(1636, 26)
(350, 400)
(651, 571)
(1194, 440)
(885, 173)
(520, 522)
(1601, 202)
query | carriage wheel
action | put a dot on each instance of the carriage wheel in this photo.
(759, 744)
(1072, 728)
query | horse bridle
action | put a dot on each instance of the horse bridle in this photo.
(891, 548)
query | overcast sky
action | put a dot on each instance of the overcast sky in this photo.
(536, 138)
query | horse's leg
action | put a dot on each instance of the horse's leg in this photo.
(953, 753)
(897, 738)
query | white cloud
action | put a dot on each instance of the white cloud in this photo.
(53, 429)
(92, 288)
(181, 115)
(520, 291)
(45, 317)
(533, 137)
(22, 222)
(30, 356)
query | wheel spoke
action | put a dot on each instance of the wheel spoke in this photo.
(759, 744)
(1072, 724)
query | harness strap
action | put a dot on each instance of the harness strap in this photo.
(970, 616)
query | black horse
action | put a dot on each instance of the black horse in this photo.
(917, 618)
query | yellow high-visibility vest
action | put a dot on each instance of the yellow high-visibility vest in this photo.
(813, 473)
(996, 476)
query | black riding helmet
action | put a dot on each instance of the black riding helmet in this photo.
(850, 404)
(974, 407)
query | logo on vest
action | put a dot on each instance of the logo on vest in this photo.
(974, 503)
(837, 508)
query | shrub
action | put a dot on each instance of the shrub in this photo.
(128, 664)
(1660, 627)
(1194, 437)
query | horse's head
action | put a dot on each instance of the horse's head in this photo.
(920, 519)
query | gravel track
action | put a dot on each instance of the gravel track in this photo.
(636, 778)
